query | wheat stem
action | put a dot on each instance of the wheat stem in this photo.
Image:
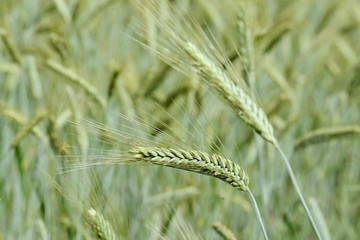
(257, 212)
(298, 191)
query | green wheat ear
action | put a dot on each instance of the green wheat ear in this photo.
(200, 162)
(102, 228)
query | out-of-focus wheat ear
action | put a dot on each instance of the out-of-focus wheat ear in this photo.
(246, 50)
(20, 119)
(324, 135)
(54, 137)
(101, 227)
(78, 80)
(10, 46)
(64, 10)
(280, 80)
(41, 114)
(223, 231)
(58, 44)
(234, 95)
(36, 85)
(180, 194)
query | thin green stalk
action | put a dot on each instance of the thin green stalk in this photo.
(261, 169)
(257, 212)
(298, 191)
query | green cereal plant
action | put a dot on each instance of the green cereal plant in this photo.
(184, 45)
(141, 150)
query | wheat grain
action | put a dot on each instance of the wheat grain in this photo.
(195, 161)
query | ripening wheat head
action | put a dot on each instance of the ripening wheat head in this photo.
(184, 45)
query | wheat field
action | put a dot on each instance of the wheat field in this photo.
(182, 119)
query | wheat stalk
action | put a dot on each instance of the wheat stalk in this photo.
(320, 219)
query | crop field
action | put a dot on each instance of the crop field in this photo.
(181, 119)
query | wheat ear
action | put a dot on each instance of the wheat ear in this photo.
(20, 119)
(28, 127)
(200, 162)
(325, 134)
(178, 51)
(223, 231)
(232, 93)
(78, 80)
(102, 228)
(9, 44)
(195, 161)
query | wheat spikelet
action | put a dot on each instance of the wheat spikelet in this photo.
(223, 231)
(234, 94)
(195, 161)
(325, 134)
(81, 82)
(102, 228)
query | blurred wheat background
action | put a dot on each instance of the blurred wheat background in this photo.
(64, 61)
